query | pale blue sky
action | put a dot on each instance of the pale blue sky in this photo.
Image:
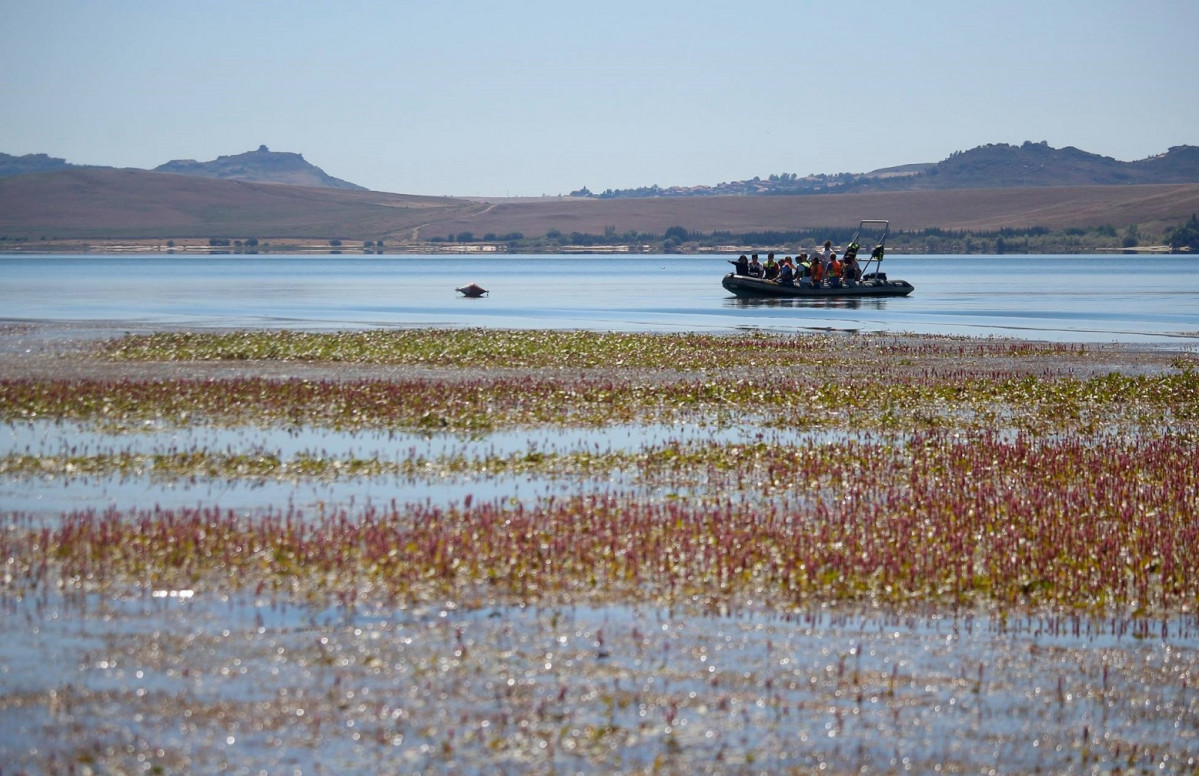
(540, 97)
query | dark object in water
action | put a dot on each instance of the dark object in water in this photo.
(473, 290)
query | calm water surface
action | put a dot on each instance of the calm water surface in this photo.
(1058, 298)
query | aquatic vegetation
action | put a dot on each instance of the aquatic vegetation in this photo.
(1006, 487)
(941, 518)
(265, 464)
(468, 405)
(474, 348)
(913, 554)
(883, 401)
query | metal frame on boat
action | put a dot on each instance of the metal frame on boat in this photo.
(874, 283)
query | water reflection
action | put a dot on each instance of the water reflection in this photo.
(443, 687)
(825, 303)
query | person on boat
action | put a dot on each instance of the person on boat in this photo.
(786, 272)
(817, 271)
(851, 271)
(755, 267)
(834, 272)
(741, 265)
(826, 256)
(803, 267)
(803, 270)
(771, 268)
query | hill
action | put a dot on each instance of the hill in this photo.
(105, 204)
(261, 166)
(992, 166)
(32, 164)
(130, 204)
(1037, 164)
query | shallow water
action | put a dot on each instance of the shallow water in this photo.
(46, 496)
(279, 688)
(1105, 298)
(148, 679)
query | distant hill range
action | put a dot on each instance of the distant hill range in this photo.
(995, 166)
(987, 189)
(261, 166)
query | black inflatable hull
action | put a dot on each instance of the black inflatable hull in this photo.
(757, 288)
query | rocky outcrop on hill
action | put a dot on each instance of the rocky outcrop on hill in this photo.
(261, 166)
(30, 164)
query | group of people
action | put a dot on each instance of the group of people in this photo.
(822, 264)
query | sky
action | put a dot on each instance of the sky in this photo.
(543, 97)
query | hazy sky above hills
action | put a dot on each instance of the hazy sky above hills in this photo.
(542, 97)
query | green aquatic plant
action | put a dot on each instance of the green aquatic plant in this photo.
(881, 401)
(268, 465)
(556, 349)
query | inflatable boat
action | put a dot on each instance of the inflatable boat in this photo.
(748, 287)
(870, 284)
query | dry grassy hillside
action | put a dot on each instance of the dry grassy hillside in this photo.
(135, 204)
(131, 204)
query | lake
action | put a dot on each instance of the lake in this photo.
(1103, 298)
